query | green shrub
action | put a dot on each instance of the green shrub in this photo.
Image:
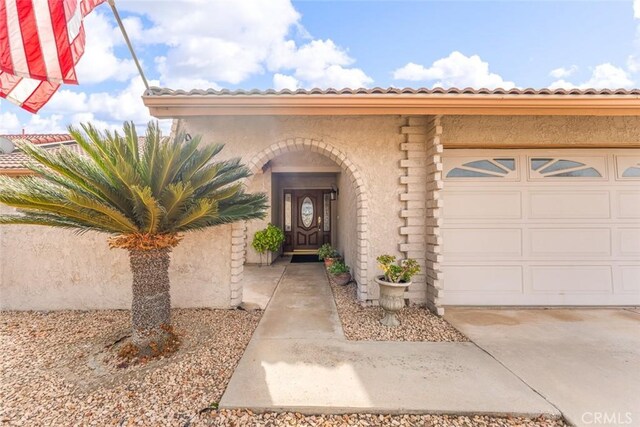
(397, 271)
(269, 239)
(338, 267)
(327, 251)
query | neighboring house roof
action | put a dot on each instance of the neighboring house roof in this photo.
(163, 102)
(40, 138)
(15, 163)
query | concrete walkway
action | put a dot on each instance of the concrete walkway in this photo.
(585, 361)
(299, 360)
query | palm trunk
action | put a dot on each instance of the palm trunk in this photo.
(151, 304)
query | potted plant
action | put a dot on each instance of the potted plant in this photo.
(328, 254)
(339, 273)
(268, 240)
(396, 278)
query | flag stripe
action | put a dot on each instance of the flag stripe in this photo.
(6, 64)
(41, 41)
(47, 40)
(31, 40)
(23, 90)
(74, 22)
(18, 58)
(40, 96)
(59, 24)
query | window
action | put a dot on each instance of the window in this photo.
(485, 168)
(632, 172)
(562, 168)
(306, 212)
(287, 212)
(327, 212)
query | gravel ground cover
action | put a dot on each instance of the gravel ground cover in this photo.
(242, 418)
(56, 368)
(363, 323)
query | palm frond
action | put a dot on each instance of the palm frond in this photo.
(168, 186)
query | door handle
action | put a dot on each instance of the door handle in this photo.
(319, 223)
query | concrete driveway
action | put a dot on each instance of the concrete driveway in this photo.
(585, 362)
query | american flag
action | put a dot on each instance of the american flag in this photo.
(41, 41)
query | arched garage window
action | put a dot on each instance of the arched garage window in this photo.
(485, 168)
(547, 167)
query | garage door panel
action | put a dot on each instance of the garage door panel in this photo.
(630, 278)
(629, 239)
(481, 242)
(484, 278)
(571, 279)
(628, 204)
(569, 204)
(483, 205)
(570, 242)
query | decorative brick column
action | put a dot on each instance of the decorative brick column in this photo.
(238, 254)
(435, 183)
(422, 182)
(414, 194)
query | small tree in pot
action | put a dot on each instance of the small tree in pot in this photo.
(396, 278)
(268, 240)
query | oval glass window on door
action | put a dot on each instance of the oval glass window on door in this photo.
(306, 212)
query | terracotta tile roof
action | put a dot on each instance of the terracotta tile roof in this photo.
(40, 138)
(17, 159)
(158, 91)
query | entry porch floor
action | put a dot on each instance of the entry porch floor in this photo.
(299, 360)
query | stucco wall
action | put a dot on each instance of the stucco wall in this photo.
(370, 143)
(347, 234)
(540, 131)
(49, 269)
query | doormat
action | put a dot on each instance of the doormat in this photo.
(305, 258)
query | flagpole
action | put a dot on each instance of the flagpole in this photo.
(112, 3)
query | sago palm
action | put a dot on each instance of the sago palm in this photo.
(144, 195)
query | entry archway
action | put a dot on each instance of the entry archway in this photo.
(290, 145)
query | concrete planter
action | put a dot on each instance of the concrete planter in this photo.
(269, 257)
(391, 300)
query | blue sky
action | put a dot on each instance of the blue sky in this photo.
(277, 43)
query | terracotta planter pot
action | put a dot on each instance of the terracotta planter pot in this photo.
(328, 262)
(341, 279)
(391, 300)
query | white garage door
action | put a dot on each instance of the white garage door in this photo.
(541, 227)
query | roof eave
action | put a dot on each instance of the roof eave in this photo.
(165, 106)
(15, 171)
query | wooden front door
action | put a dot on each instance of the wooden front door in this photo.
(306, 214)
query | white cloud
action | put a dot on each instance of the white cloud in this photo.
(9, 123)
(455, 70)
(106, 109)
(282, 81)
(636, 9)
(604, 76)
(319, 63)
(229, 42)
(563, 72)
(99, 62)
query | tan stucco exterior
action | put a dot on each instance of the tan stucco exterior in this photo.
(540, 131)
(389, 173)
(50, 269)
